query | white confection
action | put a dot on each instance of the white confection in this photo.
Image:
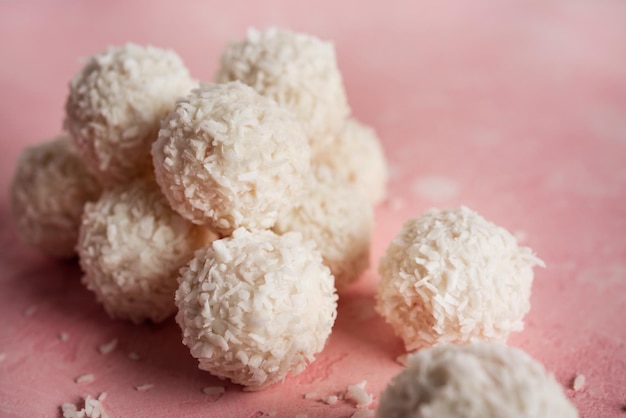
(297, 70)
(450, 276)
(49, 190)
(474, 381)
(115, 106)
(131, 247)
(228, 157)
(338, 220)
(256, 306)
(357, 157)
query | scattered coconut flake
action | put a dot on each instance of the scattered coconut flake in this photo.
(330, 400)
(363, 413)
(63, 336)
(106, 348)
(578, 382)
(134, 356)
(3, 356)
(102, 396)
(85, 378)
(310, 395)
(144, 388)
(357, 393)
(92, 409)
(30, 311)
(213, 390)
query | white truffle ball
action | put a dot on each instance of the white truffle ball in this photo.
(356, 156)
(298, 70)
(48, 192)
(115, 106)
(338, 220)
(450, 276)
(131, 246)
(228, 157)
(256, 307)
(474, 381)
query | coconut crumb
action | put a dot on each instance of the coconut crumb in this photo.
(357, 393)
(106, 348)
(310, 395)
(144, 388)
(331, 400)
(578, 382)
(134, 356)
(363, 413)
(213, 390)
(63, 336)
(30, 311)
(85, 378)
(92, 409)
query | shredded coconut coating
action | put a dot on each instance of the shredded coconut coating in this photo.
(450, 276)
(115, 105)
(256, 306)
(228, 157)
(479, 380)
(357, 157)
(298, 70)
(131, 246)
(49, 190)
(338, 220)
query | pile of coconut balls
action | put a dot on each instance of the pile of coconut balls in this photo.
(244, 205)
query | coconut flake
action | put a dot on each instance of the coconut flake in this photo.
(213, 390)
(63, 336)
(134, 356)
(85, 378)
(144, 388)
(92, 408)
(330, 400)
(357, 393)
(30, 311)
(310, 395)
(363, 413)
(578, 382)
(106, 348)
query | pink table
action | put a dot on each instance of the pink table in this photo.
(516, 109)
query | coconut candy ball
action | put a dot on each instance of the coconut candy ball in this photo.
(450, 276)
(115, 105)
(474, 381)
(356, 156)
(298, 70)
(256, 306)
(228, 157)
(338, 220)
(131, 246)
(49, 190)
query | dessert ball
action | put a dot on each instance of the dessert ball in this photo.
(299, 71)
(115, 106)
(338, 220)
(131, 246)
(228, 157)
(49, 190)
(450, 276)
(256, 306)
(356, 156)
(474, 381)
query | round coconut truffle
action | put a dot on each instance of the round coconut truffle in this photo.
(256, 306)
(450, 276)
(49, 190)
(356, 156)
(115, 106)
(228, 157)
(131, 246)
(474, 381)
(299, 71)
(338, 220)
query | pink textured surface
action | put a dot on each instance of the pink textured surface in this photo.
(516, 109)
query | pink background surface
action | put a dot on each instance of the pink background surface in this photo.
(516, 109)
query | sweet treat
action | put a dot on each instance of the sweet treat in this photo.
(450, 276)
(228, 157)
(298, 70)
(256, 306)
(356, 156)
(115, 106)
(338, 220)
(474, 381)
(131, 246)
(49, 190)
